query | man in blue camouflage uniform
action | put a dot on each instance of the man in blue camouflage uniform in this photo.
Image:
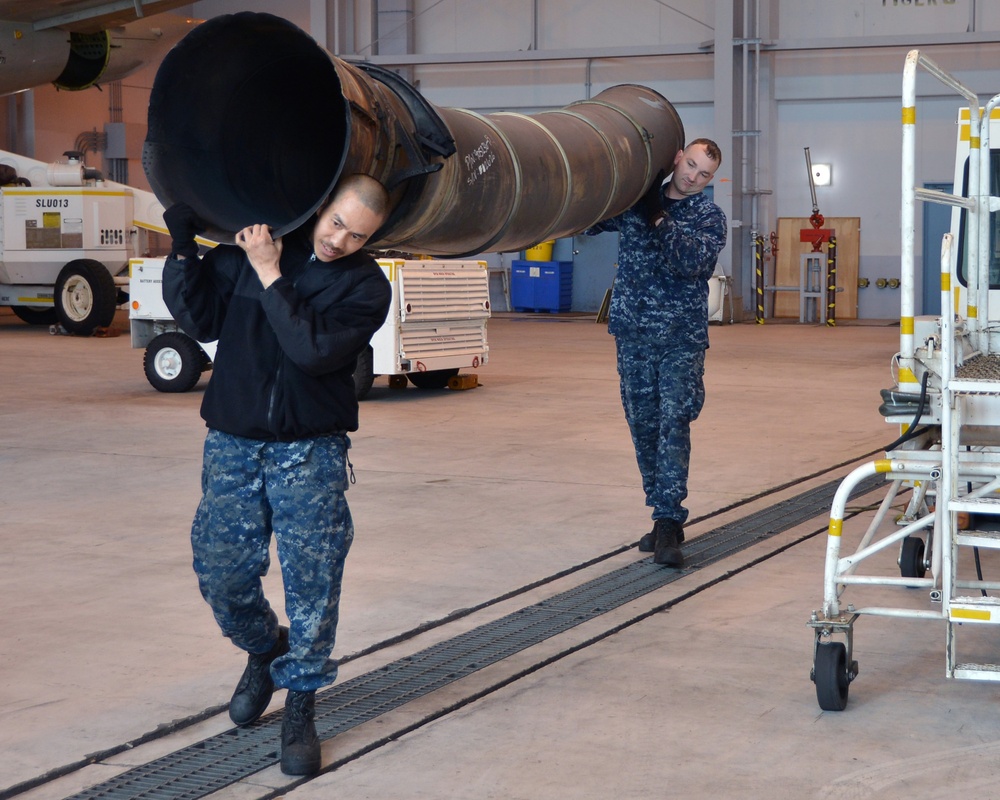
(669, 243)
(291, 316)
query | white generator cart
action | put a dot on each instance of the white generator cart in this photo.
(946, 462)
(66, 237)
(436, 327)
(436, 324)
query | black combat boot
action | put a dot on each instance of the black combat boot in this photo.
(669, 535)
(647, 544)
(255, 688)
(300, 752)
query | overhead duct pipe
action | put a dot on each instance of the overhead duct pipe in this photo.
(250, 120)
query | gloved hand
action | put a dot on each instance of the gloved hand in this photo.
(651, 202)
(183, 225)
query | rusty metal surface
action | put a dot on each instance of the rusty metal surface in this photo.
(505, 182)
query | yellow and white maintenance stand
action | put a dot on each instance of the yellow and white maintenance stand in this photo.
(947, 402)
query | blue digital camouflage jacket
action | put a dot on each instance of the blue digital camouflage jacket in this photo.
(661, 289)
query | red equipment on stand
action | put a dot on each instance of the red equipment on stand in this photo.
(817, 236)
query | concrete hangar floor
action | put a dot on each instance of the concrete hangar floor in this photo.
(500, 636)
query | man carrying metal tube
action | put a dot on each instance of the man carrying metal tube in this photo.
(668, 246)
(291, 316)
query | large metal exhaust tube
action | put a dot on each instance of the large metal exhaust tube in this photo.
(250, 120)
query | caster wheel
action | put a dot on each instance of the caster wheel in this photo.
(911, 558)
(831, 676)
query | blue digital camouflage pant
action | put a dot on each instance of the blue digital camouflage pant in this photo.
(663, 390)
(294, 490)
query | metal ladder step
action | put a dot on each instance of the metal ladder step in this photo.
(978, 505)
(959, 386)
(986, 540)
(977, 672)
(985, 610)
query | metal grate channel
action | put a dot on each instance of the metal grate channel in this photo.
(742, 533)
(203, 768)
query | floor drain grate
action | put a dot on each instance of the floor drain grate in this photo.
(203, 768)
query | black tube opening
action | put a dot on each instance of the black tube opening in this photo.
(247, 124)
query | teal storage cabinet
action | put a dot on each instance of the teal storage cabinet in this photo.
(541, 285)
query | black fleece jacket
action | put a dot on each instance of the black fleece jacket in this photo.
(286, 354)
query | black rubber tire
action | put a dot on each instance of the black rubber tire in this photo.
(173, 362)
(364, 373)
(85, 296)
(830, 675)
(434, 379)
(911, 558)
(36, 316)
